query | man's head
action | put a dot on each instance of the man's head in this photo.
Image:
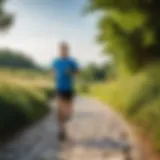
(64, 49)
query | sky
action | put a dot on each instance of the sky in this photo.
(40, 25)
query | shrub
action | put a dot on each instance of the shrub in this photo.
(83, 87)
(21, 102)
(138, 97)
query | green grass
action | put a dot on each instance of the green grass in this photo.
(137, 97)
(23, 98)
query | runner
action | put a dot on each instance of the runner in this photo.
(65, 69)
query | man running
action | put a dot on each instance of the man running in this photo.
(64, 69)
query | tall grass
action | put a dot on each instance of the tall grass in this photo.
(23, 98)
(137, 97)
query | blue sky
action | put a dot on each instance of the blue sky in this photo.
(41, 24)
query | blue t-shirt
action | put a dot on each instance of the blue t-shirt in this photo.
(64, 77)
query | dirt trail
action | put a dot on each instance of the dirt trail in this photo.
(96, 134)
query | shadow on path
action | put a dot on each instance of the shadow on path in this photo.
(106, 143)
(38, 142)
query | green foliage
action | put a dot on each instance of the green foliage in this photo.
(93, 72)
(22, 100)
(129, 31)
(83, 87)
(138, 97)
(6, 19)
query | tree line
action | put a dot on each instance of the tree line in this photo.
(93, 72)
(15, 59)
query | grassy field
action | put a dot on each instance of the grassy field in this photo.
(137, 97)
(23, 98)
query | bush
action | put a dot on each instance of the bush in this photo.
(82, 87)
(21, 103)
(138, 97)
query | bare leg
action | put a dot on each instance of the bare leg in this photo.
(61, 118)
(65, 110)
(69, 110)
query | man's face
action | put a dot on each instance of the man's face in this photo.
(64, 50)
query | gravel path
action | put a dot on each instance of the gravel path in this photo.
(96, 133)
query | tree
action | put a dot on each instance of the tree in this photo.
(129, 31)
(6, 19)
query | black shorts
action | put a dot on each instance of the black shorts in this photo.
(66, 95)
